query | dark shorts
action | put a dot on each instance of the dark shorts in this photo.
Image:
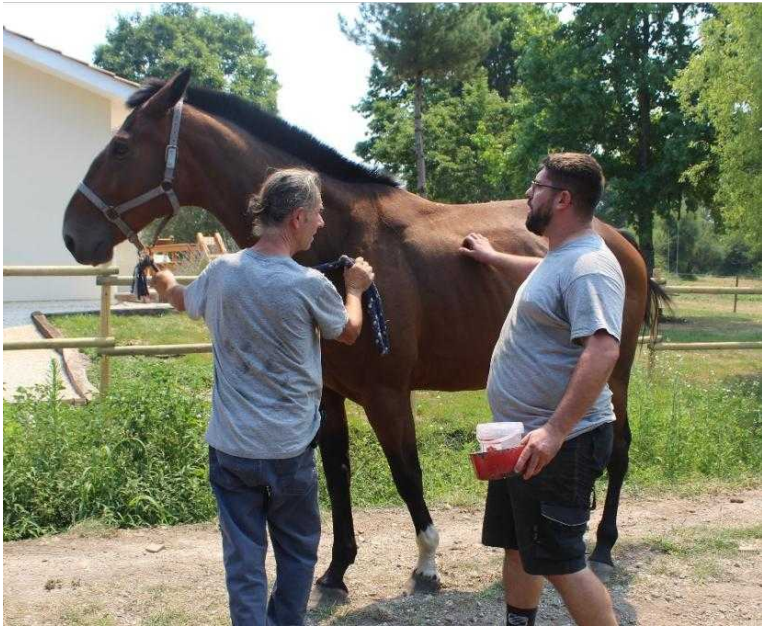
(545, 518)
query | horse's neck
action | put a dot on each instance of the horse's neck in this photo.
(230, 165)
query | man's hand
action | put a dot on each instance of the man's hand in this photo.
(358, 277)
(168, 289)
(478, 247)
(540, 446)
(163, 281)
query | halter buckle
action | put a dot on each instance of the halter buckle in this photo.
(171, 155)
(111, 213)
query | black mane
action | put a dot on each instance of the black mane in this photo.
(273, 130)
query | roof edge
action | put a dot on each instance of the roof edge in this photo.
(53, 62)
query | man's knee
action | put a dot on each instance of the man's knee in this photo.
(561, 581)
(513, 558)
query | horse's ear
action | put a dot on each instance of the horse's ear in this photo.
(168, 95)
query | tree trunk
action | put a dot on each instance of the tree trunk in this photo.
(419, 141)
(645, 213)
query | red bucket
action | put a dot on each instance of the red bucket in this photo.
(495, 464)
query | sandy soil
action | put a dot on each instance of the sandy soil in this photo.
(680, 562)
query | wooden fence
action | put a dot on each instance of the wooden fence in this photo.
(107, 277)
(656, 343)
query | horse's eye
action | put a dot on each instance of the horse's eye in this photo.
(119, 149)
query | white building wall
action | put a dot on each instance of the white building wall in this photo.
(52, 131)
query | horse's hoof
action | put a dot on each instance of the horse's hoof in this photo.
(423, 584)
(322, 596)
(603, 571)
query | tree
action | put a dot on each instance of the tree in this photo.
(722, 86)
(221, 50)
(469, 136)
(519, 26)
(610, 84)
(420, 45)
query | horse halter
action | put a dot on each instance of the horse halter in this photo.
(113, 212)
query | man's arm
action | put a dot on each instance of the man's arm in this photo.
(516, 268)
(590, 375)
(169, 289)
(351, 331)
(357, 279)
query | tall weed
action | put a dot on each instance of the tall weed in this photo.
(136, 458)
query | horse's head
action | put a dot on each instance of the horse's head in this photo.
(132, 163)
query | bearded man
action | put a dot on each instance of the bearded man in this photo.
(549, 370)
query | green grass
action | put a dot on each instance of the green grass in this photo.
(139, 456)
(704, 540)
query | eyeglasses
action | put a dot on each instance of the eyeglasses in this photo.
(536, 183)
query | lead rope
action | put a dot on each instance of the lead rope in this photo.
(139, 283)
(371, 300)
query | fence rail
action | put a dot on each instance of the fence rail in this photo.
(157, 350)
(713, 290)
(107, 277)
(77, 343)
(127, 280)
(58, 271)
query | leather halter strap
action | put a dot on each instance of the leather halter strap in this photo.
(113, 213)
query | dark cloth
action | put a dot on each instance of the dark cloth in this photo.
(256, 495)
(545, 518)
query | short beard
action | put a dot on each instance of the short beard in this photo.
(537, 222)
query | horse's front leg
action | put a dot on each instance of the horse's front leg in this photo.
(389, 413)
(334, 443)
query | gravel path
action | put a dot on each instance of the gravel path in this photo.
(681, 561)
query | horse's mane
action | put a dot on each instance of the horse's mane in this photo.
(273, 130)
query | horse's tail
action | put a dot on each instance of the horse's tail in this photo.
(656, 295)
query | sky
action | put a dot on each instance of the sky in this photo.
(322, 74)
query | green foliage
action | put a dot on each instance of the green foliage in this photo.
(422, 46)
(467, 135)
(598, 83)
(722, 86)
(433, 41)
(611, 84)
(137, 458)
(221, 50)
(694, 244)
(187, 223)
(684, 430)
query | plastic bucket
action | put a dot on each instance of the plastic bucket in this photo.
(495, 464)
(499, 435)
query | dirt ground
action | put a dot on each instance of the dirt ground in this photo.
(681, 561)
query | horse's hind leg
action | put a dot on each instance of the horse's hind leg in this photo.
(389, 413)
(617, 469)
(334, 449)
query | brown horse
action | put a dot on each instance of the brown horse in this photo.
(444, 310)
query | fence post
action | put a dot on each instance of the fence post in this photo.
(736, 283)
(104, 331)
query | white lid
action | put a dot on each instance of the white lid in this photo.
(498, 430)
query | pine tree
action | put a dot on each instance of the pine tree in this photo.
(420, 45)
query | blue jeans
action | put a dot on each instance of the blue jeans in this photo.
(254, 495)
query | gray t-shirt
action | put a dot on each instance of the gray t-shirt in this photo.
(577, 290)
(265, 315)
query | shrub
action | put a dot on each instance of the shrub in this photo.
(136, 458)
